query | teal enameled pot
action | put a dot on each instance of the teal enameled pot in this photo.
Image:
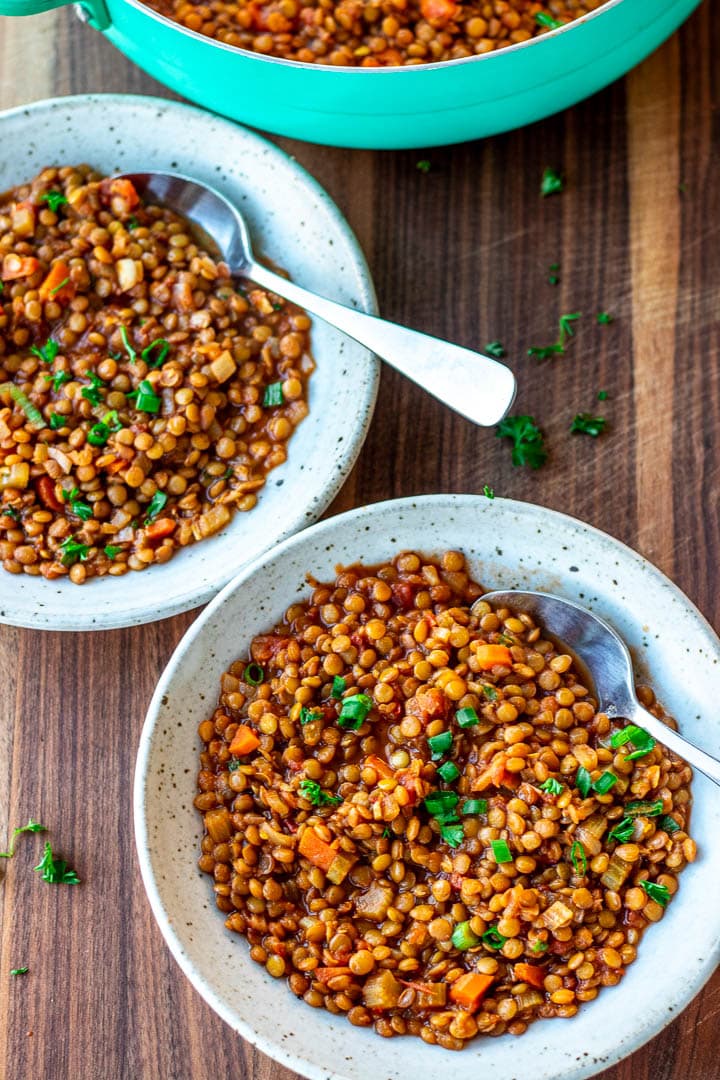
(386, 108)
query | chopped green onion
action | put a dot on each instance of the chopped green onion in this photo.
(551, 182)
(659, 893)
(604, 782)
(311, 790)
(155, 505)
(54, 199)
(540, 947)
(273, 395)
(72, 551)
(543, 19)
(98, 434)
(668, 824)
(46, 352)
(440, 744)
(306, 715)
(20, 397)
(649, 809)
(463, 937)
(490, 692)
(146, 400)
(552, 786)
(338, 687)
(163, 348)
(253, 674)
(644, 746)
(578, 858)
(493, 938)
(448, 771)
(19, 971)
(57, 421)
(467, 717)
(501, 851)
(128, 347)
(495, 348)
(111, 551)
(453, 835)
(474, 806)
(441, 804)
(622, 831)
(55, 871)
(583, 781)
(353, 711)
(63, 283)
(32, 826)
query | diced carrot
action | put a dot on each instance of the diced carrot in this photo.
(115, 466)
(325, 974)
(381, 767)
(487, 656)
(18, 266)
(46, 494)
(57, 284)
(244, 741)
(529, 973)
(469, 990)
(125, 190)
(159, 529)
(439, 10)
(314, 848)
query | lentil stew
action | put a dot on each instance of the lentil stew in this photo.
(144, 395)
(382, 33)
(416, 815)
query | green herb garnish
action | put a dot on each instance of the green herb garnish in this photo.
(649, 809)
(54, 199)
(583, 782)
(493, 938)
(501, 851)
(659, 893)
(46, 352)
(111, 551)
(448, 771)
(62, 285)
(587, 424)
(132, 222)
(440, 744)
(441, 805)
(453, 835)
(496, 349)
(552, 786)
(552, 182)
(604, 782)
(306, 715)
(543, 19)
(81, 509)
(353, 711)
(528, 442)
(474, 806)
(338, 686)
(311, 790)
(423, 166)
(57, 421)
(58, 379)
(490, 692)
(273, 395)
(128, 347)
(578, 858)
(622, 831)
(56, 871)
(146, 400)
(92, 393)
(163, 348)
(463, 937)
(253, 674)
(155, 505)
(539, 947)
(19, 971)
(488, 492)
(234, 764)
(467, 717)
(604, 318)
(668, 824)
(32, 826)
(73, 551)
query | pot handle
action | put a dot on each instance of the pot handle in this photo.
(93, 12)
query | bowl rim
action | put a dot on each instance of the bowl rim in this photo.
(30, 612)
(277, 1051)
(346, 69)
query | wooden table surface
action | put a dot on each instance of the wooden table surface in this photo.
(462, 251)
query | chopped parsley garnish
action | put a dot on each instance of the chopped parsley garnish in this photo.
(552, 182)
(338, 686)
(19, 971)
(440, 744)
(539, 947)
(161, 347)
(10, 511)
(587, 424)
(490, 692)
(57, 420)
(54, 199)
(668, 824)
(111, 551)
(128, 347)
(488, 492)
(63, 283)
(132, 222)
(58, 379)
(423, 166)
(583, 781)
(46, 352)
(496, 349)
(273, 395)
(553, 278)
(453, 835)
(501, 851)
(602, 395)
(441, 805)
(604, 318)
(254, 674)
(155, 505)
(92, 393)
(32, 826)
(544, 352)
(448, 771)
(354, 711)
(311, 790)
(387, 832)
(306, 715)
(566, 322)
(493, 938)
(145, 398)
(578, 858)
(543, 19)
(565, 331)
(81, 509)
(234, 764)
(56, 871)
(72, 551)
(552, 786)
(622, 831)
(528, 441)
(659, 893)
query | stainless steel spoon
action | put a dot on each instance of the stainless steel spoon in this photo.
(607, 659)
(476, 386)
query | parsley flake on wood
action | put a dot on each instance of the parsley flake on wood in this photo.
(32, 826)
(19, 971)
(55, 871)
(496, 349)
(587, 424)
(602, 395)
(488, 492)
(528, 441)
(604, 318)
(551, 183)
(423, 166)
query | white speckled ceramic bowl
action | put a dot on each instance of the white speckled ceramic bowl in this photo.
(296, 225)
(509, 545)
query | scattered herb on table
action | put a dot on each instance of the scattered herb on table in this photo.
(19, 971)
(602, 395)
(32, 826)
(55, 871)
(553, 278)
(528, 441)
(552, 182)
(488, 492)
(423, 166)
(496, 349)
(587, 424)
(604, 318)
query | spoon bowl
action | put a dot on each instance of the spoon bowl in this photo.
(476, 386)
(607, 658)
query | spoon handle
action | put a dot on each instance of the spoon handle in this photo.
(473, 385)
(699, 759)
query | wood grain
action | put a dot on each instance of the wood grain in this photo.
(463, 251)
